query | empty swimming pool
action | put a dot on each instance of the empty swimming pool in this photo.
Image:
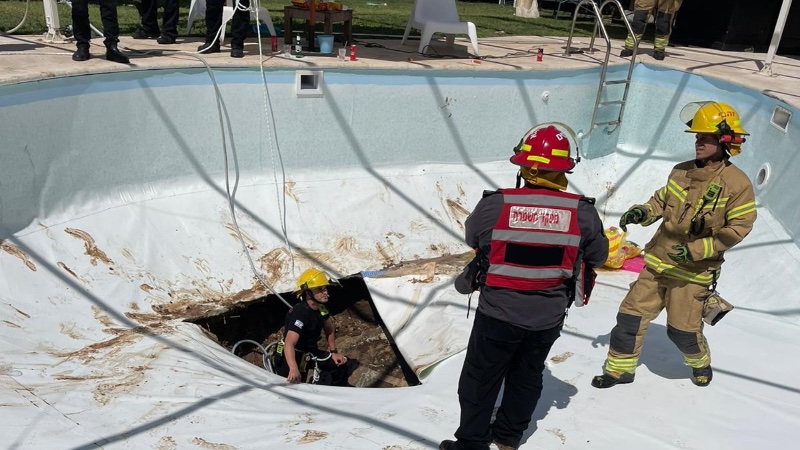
(115, 217)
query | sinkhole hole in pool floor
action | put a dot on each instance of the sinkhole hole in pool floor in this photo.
(373, 359)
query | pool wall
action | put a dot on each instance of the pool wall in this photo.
(379, 156)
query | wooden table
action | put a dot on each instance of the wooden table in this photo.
(327, 17)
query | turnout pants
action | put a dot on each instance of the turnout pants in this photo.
(497, 352)
(664, 18)
(648, 295)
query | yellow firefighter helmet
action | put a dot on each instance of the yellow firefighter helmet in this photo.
(718, 118)
(312, 278)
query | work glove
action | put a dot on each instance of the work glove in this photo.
(633, 215)
(682, 254)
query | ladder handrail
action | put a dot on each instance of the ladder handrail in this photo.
(604, 69)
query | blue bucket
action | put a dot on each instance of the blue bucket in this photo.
(326, 43)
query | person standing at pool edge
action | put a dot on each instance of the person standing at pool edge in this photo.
(239, 25)
(83, 32)
(708, 206)
(540, 239)
(665, 11)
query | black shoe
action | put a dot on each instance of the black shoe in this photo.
(447, 445)
(81, 54)
(606, 381)
(207, 48)
(237, 53)
(141, 34)
(165, 40)
(659, 55)
(702, 377)
(113, 54)
(626, 52)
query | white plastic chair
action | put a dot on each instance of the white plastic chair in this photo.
(439, 16)
(197, 9)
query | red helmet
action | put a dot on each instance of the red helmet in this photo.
(546, 147)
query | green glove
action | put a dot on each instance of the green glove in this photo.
(682, 256)
(633, 215)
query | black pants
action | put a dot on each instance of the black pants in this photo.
(148, 10)
(497, 352)
(239, 24)
(80, 22)
(330, 373)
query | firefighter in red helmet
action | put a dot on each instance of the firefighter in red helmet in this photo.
(537, 239)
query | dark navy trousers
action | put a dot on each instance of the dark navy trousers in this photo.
(500, 352)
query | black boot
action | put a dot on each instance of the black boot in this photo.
(659, 55)
(237, 53)
(606, 381)
(702, 377)
(113, 54)
(81, 54)
(626, 52)
(207, 48)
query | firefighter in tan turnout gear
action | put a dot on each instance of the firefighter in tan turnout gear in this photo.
(707, 207)
(665, 11)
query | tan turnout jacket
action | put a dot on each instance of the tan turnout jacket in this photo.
(711, 209)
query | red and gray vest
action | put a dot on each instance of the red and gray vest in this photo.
(536, 240)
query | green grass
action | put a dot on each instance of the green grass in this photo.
(369, 17)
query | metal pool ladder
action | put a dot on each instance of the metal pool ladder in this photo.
(603, 83)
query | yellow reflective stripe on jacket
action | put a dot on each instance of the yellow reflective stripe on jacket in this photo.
(661, 194)
(676, 272)
(621, 365)
(720, 203)
(741, 210)
(676, 190)
(708, 247)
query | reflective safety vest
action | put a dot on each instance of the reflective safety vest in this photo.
(536, 240)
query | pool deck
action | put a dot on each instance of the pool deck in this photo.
(29, 58)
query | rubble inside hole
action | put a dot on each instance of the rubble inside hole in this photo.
(373, 358)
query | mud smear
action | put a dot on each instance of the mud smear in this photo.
(443, 265)
(248, 240)
(102, 317)
(13, 250)
(557, 359)
(69, 271)
(195, 304)
(456, 210)
(90, 249)
(289, 190)
(386, 257)
(311, 436)
(348, 245)
(167, 443)
(273, 263)
(105, 392)
(200, 442)
(69, 330)
(557, 432)
(115, 344)
(27, 316)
